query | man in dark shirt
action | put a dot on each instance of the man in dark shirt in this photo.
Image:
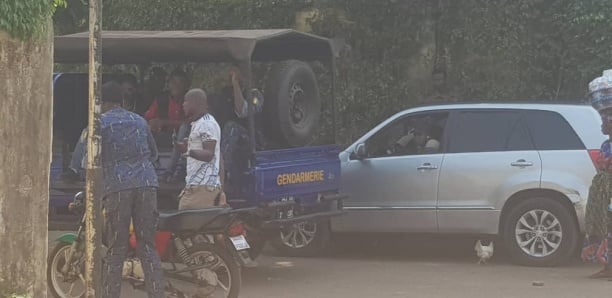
(132, 99)
(130, 192)
(154, 85)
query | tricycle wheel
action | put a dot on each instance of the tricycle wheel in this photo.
(303, 239)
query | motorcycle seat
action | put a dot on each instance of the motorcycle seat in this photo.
(193, 220)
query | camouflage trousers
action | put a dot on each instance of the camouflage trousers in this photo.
(139, 205)
(235, 152)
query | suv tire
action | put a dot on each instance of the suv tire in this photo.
(545, 227)
(316, 246)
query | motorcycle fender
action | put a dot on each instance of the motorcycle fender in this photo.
(67, 238)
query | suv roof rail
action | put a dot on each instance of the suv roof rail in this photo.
(504, 102)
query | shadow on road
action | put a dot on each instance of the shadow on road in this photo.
(409, 248)
(423, 248)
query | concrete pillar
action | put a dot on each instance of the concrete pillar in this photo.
(26, 107)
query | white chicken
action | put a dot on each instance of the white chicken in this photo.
(483, 252)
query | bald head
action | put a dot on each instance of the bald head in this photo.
(197, 95)
(195, 104)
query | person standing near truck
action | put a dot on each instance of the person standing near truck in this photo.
(598, 215)
(202, 149)
(130, 192)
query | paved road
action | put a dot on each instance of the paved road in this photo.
(409, 268)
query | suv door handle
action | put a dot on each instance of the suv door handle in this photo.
(427, 166)
(521, 163)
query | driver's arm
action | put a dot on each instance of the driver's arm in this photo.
(406, 139)
(401, 143)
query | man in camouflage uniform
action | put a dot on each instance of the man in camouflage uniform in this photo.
(231, 111)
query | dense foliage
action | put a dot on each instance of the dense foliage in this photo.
(27, 18)
(492, 50)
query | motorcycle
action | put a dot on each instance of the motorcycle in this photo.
(202, 250)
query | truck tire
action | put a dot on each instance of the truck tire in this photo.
(540, 232)
(305, 239)
(292, 106)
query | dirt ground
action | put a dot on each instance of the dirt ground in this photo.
(409, 267)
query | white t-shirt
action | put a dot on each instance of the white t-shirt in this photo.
(201, 172)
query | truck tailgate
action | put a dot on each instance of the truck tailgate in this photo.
(297, 172)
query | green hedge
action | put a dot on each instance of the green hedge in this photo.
(27, 18)
(529, 50)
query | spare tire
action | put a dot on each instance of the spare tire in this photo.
(292, 105)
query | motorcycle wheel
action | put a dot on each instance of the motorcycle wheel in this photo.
(73, 287)
(228, 273)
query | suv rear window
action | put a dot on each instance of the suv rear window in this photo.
(489, 131)
(550, 131)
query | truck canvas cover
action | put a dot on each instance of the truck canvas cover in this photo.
(135, 47)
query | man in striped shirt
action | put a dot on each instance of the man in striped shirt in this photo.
(202, 149)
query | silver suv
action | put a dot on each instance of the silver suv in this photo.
(520, 171)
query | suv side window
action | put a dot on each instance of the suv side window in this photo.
(489, 131)
(551, 131)
(412, 135)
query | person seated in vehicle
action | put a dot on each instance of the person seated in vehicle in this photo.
(418, 140)
(132, 99)
(231, 109)
(166, 112)
(166, 117)
(154, 85)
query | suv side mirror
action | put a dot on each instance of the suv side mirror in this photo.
(360, 151)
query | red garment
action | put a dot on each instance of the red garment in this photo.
(604, 160)
(175, 111)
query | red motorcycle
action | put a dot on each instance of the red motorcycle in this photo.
(201, 252)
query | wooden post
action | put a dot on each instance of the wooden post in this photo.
(93, 270)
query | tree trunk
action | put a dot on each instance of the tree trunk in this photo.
(25, 157)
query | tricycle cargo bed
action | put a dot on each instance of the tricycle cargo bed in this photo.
(297, 172)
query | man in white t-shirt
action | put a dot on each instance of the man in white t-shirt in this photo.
(202, 149)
